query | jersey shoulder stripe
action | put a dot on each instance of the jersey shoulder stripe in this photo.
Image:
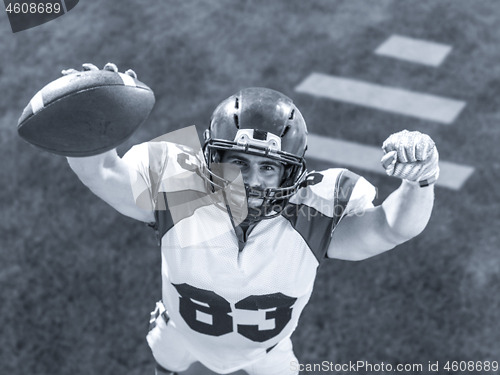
(312, 225)
(163, 219)
(318, 206)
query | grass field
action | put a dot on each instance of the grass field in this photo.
(78, 280)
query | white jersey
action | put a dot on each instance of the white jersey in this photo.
(234, 305)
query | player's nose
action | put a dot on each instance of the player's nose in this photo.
(252, 178)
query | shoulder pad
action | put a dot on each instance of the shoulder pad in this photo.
(332, 190)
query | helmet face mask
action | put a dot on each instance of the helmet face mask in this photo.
(266, 123)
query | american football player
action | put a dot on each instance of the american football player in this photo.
(235, 279)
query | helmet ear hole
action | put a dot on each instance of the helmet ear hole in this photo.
(285, 130)
(236, 121)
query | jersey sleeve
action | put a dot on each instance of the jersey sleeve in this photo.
(361, 195)
(147, 163)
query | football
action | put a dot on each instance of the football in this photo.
(85, 113)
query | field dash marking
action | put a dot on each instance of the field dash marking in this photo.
(414, 50)
(396, 100)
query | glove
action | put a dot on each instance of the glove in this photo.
(411, 156)
(109, 66)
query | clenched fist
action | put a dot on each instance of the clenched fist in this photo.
(411, 156)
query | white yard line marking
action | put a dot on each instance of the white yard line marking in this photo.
(414, 50)
(424, 106)
(351, 154)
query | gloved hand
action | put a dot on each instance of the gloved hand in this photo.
(411, 156)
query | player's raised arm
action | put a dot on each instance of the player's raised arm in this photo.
(109, 177)
(412, 157)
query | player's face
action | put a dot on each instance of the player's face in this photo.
(257, 171)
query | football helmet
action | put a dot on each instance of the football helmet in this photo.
(263, 122)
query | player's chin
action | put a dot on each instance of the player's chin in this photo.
(255, 203)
